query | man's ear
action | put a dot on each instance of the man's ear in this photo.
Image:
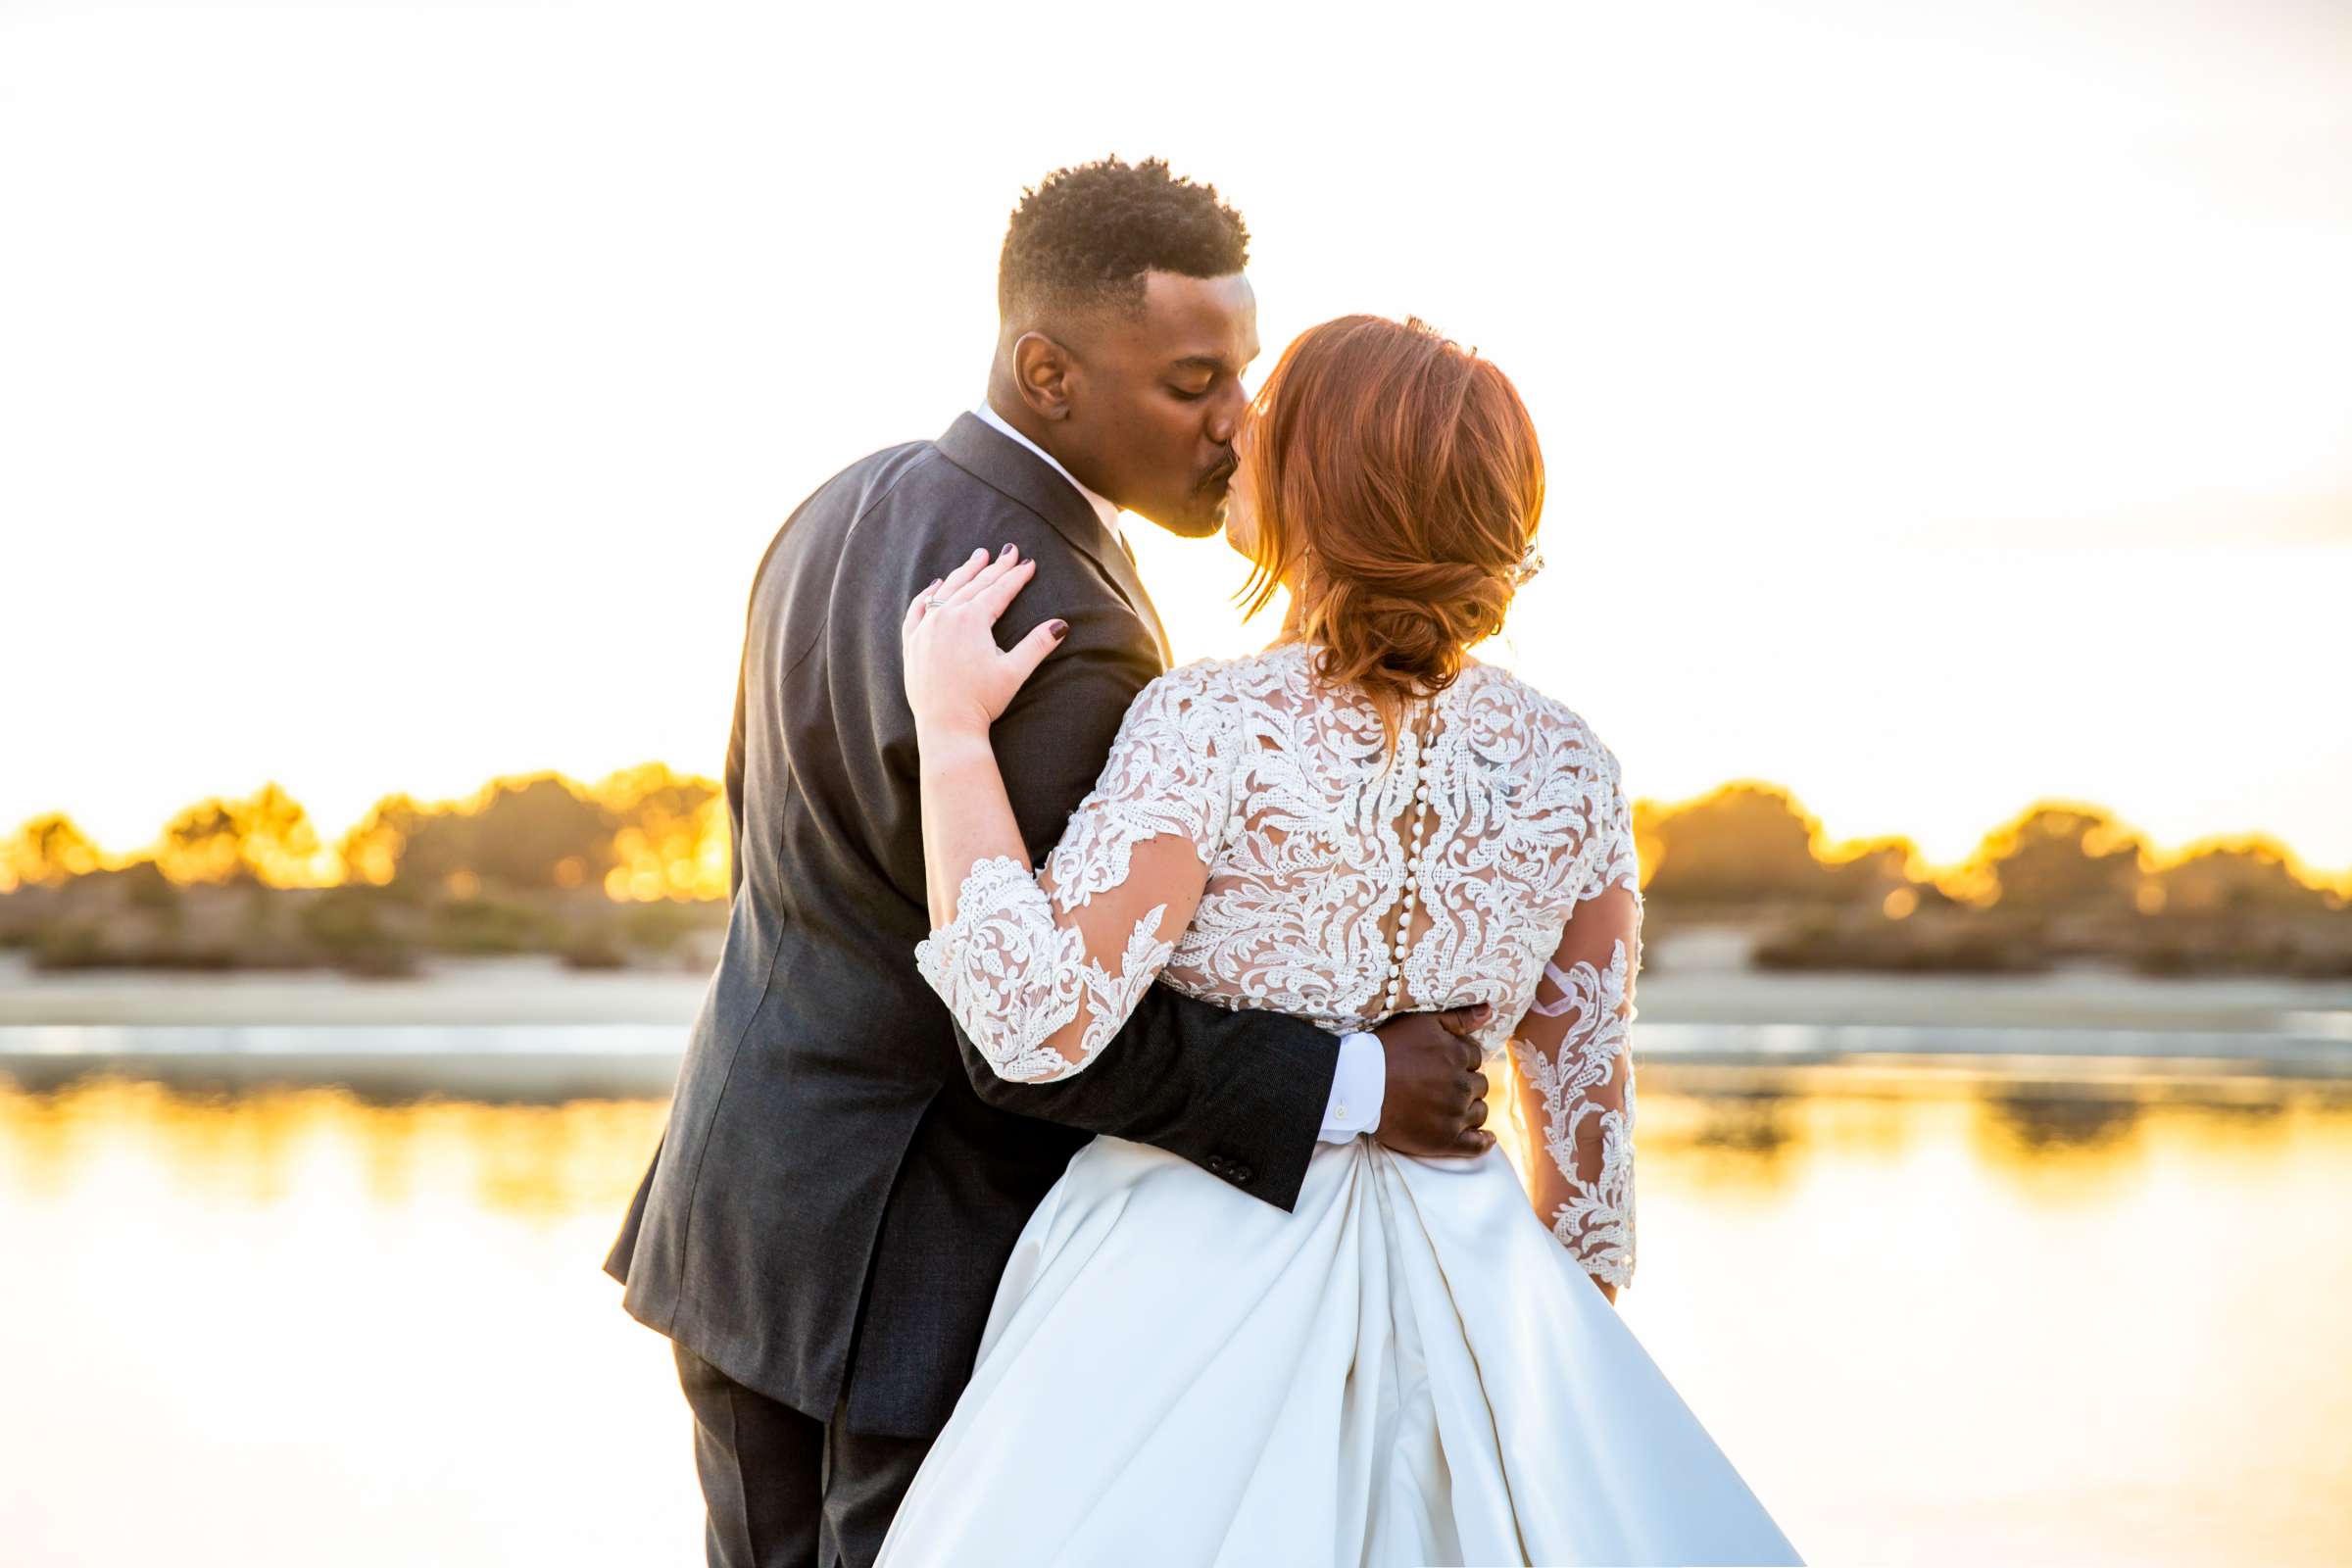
(1043, 370)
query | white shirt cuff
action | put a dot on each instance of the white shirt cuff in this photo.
(1356, 1089)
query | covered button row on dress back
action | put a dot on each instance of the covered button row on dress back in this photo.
(1413, 865)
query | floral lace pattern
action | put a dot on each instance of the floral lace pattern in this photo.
(1291, 801)
(1594, 1219)
(1014, 980)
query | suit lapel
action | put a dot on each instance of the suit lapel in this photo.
(1141, 598)
(1012, 468)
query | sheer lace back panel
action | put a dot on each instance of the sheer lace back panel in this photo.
(1253, 841)
(1306, 878)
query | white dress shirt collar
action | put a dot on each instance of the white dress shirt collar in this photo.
(1105, 507)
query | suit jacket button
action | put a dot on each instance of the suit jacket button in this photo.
(1241, 1175)
(1216, 1162)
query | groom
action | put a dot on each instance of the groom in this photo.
(843, 1178)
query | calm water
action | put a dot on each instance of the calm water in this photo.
(293, 1328)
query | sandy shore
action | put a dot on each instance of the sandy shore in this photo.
(538, 991)
(482, 991)
(529, 1029)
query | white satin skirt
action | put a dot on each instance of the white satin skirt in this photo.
(1408, 1369)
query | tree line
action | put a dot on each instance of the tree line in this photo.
(648, 834)
(641, 834)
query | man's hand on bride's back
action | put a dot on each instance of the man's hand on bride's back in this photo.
(1435, 1102)
(959, 681)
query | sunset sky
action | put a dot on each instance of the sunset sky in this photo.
(1947, 406)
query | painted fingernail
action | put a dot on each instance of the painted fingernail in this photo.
(1005, 554)
(1059, 629)
(935, 582)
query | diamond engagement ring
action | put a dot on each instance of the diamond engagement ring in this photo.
(936, 603)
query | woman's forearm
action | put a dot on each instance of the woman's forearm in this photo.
(967, 816)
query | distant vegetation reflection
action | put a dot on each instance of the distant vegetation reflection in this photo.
(584, 1156)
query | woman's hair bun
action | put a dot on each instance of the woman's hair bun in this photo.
(1402, 474)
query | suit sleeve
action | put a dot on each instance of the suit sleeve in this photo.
(1240, 1094)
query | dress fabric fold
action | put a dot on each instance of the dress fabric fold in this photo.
(1408, 1369)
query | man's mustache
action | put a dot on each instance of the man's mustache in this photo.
(1218, 475)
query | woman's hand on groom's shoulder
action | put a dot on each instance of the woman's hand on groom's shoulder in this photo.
(959, 681)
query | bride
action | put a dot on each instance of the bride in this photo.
(1415, 1365)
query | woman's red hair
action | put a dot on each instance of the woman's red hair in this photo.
(1400, 474)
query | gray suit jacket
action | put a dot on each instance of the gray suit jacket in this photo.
(843, 1178)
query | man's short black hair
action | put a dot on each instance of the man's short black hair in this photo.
(1087, 235)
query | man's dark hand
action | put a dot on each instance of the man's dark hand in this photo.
(1435, 1102)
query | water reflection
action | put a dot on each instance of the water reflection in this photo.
(2038, 1125)
(1938, 1326)
(541, 1161)
(1756, 1124)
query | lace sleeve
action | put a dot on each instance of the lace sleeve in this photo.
(1042, 970)
(1574, 1055)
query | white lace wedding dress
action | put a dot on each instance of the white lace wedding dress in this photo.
(1412, 1366)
